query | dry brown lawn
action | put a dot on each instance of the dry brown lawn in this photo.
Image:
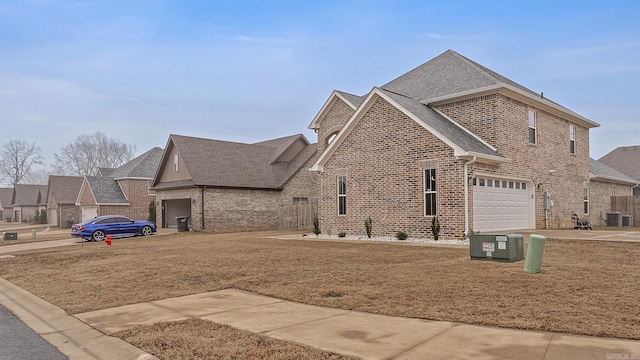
(587, 287)
(197, 339)
(25, 236)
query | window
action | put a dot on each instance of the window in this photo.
(586, 201)
(342, 195)
(572, 139)
(300, 199)
(489, 183)
(532, 127)
(175, 163)
(430, 192)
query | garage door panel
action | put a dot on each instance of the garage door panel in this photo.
(500, 208)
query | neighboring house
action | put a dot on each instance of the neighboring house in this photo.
(6, 209)
(26, 199)
(453, 139)
(61, 200)
(120, 191)
(625, 159)
(605, 183)
(228, 186)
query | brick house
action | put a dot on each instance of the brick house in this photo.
(605, 182)
(62, 194)
(453, 139)
(229, 186)
(26, 200)
(626, 160)
(124, 190)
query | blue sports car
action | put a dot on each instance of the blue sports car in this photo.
(117, 226)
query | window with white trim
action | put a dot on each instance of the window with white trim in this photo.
(586, 200)
(175, 163)
(342, 195)
(532, 127)
(572, 139)
(430, 192)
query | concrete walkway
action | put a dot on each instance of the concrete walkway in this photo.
(360, 334)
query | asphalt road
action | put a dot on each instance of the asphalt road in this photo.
(19, 342)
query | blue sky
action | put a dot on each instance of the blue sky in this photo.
(249, 71)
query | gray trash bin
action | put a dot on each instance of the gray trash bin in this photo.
(183, 223)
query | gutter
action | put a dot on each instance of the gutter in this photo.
(466, 194)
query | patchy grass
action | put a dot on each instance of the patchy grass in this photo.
(587, 288)
(25, 235)
(201, 339)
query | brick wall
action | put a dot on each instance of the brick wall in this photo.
(137, 192)
(383, 158)
(600, 194)
(503, 123)
(69, 215)
(336, 116)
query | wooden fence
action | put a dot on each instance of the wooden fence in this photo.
(627, 205)
(298, 215)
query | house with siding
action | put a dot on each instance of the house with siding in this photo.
(454, 139)
(26, 200)
(121, 191)
(6, 209)
(227, 186)
(62, 194)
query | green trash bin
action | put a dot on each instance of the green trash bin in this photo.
(535, 249)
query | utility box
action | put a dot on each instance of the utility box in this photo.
(499, 247)
(10, 236)
(627, 220)
(614, 219)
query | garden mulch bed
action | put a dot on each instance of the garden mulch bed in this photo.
(587, 287)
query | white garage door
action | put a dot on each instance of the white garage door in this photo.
(89, 212)
(502, 204)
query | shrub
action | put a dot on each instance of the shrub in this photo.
(435, 227)
(152, 211)
(316, 224)
(367, 225)
(401, 235)
(342, 234)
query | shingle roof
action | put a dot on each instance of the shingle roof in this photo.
(106, 190)
(29, 195)
(355, 100)
(143, 166)
(229, 164)
(64, 189)
(446, 127)
(604, 172)
(625, 159)
(6, 194)
(446, 74)
(103, 171)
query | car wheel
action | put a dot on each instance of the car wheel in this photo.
(98, 235)
(146, 230)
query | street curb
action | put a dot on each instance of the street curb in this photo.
(71, 336)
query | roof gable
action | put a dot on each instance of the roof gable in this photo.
(29, 195)
(353, 101)
(64, 189)
(215, 163)
(463, 143)
(106, 190)
(624, 159)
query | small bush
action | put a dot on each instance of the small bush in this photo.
(435, 227)
(367, 225)
(316, 224)
(401, 235)
(342, 234)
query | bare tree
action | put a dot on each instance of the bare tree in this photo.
(16, 159)
(37, 176)
(89, 152)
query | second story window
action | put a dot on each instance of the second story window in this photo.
(532, 127)
(175, 163)
(572, 139)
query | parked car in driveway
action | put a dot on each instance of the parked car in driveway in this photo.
(117, 226)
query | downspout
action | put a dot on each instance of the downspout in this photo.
(466, 195)
(202, 206)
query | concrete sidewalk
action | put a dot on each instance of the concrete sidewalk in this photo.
(359, 334)
(71, 336)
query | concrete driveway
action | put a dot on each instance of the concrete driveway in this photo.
(632, 235)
